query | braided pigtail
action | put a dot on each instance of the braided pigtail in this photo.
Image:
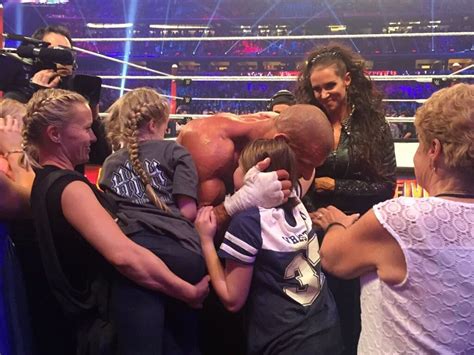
(30, 156)
(114, 125)
(131, 134)
(126, 117)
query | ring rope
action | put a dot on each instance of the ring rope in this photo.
(461, 70)
(199, 116)
(420, 78)
(127, 89)
(120, 61)
(272, 38)
(389, 119)
(420, 101)
(115, 87)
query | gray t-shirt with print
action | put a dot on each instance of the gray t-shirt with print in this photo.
(172, 173)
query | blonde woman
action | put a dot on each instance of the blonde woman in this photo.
(80, 242)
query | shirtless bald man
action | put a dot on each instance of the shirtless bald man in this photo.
(215, 144)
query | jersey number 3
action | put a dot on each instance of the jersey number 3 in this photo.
(306, 272)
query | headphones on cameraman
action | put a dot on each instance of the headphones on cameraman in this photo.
(281, 97)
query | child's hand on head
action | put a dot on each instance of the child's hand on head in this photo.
(206, 223)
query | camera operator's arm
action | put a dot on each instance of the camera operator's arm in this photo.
(46, 78)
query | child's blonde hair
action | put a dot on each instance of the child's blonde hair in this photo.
(125, 118)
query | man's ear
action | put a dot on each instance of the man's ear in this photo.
(53, 134)
(283, 136)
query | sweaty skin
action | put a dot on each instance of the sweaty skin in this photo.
(215, 144)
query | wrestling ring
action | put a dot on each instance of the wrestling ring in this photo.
(404, 149)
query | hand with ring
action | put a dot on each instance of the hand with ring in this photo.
(316, 217)
(325, 216)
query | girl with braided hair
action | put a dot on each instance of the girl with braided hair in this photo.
(154, 183)
(80, 242)
(360, 170)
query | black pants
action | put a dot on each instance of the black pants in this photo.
(221, 332)
(149, 322)
(347, 296)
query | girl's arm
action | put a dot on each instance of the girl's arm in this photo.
(138, 264)
(232, 284)
(187, 206)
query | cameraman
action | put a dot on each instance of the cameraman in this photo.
(56, 36)
(14, 82)
(20, 78)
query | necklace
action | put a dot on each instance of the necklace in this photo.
(455, 194)
(346, 121)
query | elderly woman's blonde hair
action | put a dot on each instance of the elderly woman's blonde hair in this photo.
(49, 107)
(448, 115)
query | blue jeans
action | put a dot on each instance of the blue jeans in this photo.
(149, 322)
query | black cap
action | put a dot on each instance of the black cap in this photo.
(281, 97)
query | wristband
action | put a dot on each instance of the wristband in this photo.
(262, 189)
(334, 224)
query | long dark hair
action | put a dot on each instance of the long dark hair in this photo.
(368, 118)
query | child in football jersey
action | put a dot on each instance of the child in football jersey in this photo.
(272, 266)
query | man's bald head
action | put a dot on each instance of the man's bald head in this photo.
(309, 134)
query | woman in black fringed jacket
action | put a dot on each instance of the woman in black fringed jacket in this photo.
(360, 171)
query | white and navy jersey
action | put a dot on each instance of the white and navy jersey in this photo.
(289, 308)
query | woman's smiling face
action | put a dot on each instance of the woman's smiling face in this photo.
(329, 88)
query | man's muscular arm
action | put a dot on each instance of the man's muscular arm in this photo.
(211, 192)
(214, 153)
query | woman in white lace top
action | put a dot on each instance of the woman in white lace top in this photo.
(416, 255)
